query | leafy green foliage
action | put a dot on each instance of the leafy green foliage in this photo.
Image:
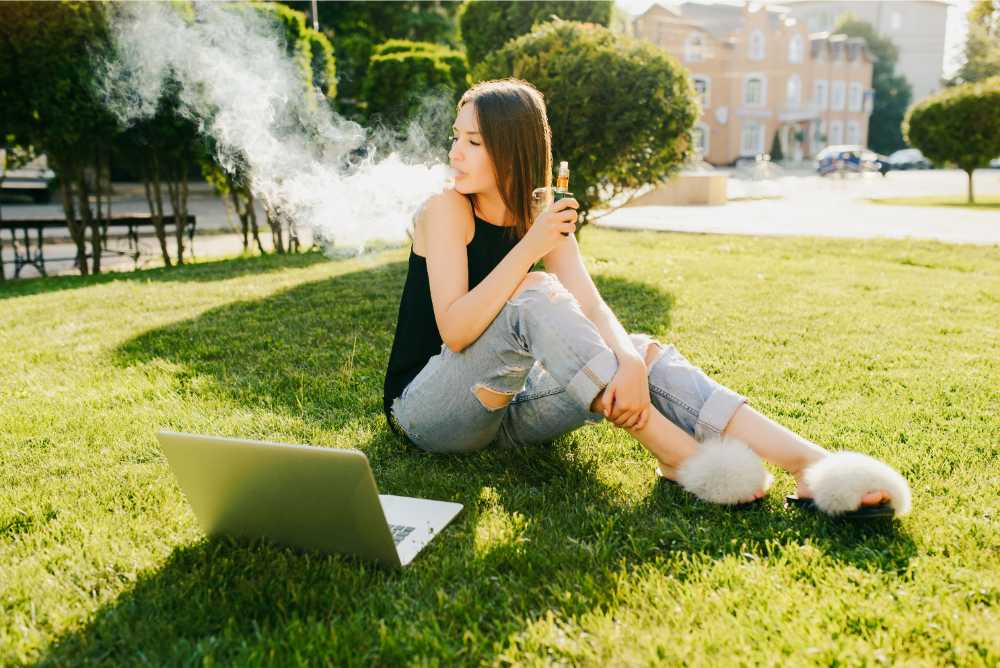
(402, 72)
(487, 26)
(959, 125)
(982, 43)
(47, 94)
(621, 110)
(354, 28)
(892, 90)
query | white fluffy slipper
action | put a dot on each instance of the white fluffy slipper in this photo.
(725, 471)
(839, 480)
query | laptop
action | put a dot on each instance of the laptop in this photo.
(311, 498)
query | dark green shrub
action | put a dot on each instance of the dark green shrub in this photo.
(400, 73)
(621, 110)
(777, 155)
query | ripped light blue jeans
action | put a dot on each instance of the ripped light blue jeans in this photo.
(544, 353)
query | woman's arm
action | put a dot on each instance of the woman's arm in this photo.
(462, 315)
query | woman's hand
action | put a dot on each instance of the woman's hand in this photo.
(626, 398)
(548, 228)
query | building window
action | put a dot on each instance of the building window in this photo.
(755, 50)
(836, 132)
(820, 97)
(795, 49)
(694, 48)
(895, 20)
(752, 139)
(793, 91)
(854, 96)
(869, 102)
(703, 87)
(837, 96)
(853, 133)
(819, 135)
(754, 92)
(699, 139)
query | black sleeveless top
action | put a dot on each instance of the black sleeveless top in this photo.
(417, 338)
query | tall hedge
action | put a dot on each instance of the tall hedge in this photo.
(487, 25)
(401, 72)
(621, 110)
(960, 125)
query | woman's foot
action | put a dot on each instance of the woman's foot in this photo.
(875, 498)
(722, 470)
(670, 473)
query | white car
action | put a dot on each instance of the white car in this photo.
(909, 158)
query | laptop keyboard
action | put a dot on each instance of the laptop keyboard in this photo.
(400, 532)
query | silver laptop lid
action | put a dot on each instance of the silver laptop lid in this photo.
(313, 498)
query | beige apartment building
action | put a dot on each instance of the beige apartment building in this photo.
(916, 27)
(758, 72)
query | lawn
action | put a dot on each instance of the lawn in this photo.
(568, 553)
(984, 202)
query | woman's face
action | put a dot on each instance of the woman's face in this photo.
(468, 156)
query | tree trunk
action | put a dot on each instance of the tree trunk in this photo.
(184, 204)
(87, 220)
(252, 213)
(105, 219)
(240, 213)
(972, 199)
(3, 275)
(273, 222)
(69, 210)
(156, 210)
(293, 237)
(178, 190)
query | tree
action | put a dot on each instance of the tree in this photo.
(960, 125)
(487, 26)
(615, 140)
(51, 104)
(776, 154)
(982, 45)
(892, 91)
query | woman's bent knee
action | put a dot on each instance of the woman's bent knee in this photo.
(532, 279)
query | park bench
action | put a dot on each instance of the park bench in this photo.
(27, 252)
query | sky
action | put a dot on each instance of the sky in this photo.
(954, 36)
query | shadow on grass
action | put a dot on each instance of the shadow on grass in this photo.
(568, 539)
(319, 350)
(212, 270)
(541, 530)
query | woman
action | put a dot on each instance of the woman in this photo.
(487, 351)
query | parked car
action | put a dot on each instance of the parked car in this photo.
(995, 163)
(847, 158)
(909, 158)
(33, 179)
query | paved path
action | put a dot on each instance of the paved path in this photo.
(806, 205)
(810, 205)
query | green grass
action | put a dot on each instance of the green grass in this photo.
(982, 201)
(564, 554)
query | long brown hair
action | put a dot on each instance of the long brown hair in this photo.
(515, 131)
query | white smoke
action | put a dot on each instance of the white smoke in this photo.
(349, 185)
